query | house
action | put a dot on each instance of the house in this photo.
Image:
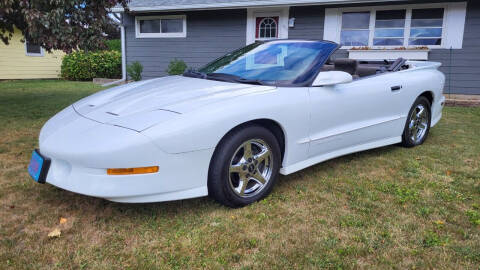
(23, 60)
(157, 31)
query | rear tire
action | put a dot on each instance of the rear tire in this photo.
(418, 123)
(244, 167)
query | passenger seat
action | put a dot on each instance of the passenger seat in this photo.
(365, 71)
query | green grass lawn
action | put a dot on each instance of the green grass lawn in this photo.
(386, 208)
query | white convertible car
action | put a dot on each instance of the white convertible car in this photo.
(228, 129)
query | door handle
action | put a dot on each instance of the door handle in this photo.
(396, 88)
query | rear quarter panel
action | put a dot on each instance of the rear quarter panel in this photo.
(424, 78)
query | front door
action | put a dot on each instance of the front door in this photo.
(267, 24)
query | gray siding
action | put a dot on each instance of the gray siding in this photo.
(210, 34)
(309, 22)
(462, 66)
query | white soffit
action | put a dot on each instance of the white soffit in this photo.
(244, 4)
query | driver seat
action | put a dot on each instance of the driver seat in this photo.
(347, 65)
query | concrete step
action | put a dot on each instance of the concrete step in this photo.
(462, 100)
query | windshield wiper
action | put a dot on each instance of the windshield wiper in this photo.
(195, 74)
(225, 77)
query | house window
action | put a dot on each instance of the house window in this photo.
(395, 27)
(426, 27)
(390, 28)
(266, 28)
(161, 26)
(33, 49)
(355, 28)
(432, 25)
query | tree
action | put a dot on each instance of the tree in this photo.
(58, 25)
(112, 30)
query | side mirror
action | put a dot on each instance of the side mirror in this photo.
(326, 78)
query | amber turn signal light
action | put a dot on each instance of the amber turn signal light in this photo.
(127, 171)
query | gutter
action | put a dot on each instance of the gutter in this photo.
(243, 4)
(124, 58)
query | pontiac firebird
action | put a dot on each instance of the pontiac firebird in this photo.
(228, 129)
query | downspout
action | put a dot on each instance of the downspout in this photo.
(124, 58)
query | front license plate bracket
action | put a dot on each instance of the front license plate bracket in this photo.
(38, 167)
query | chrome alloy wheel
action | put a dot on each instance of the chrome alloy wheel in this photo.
(418, 124)
(250, 168)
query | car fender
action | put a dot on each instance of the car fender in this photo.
(203, 128)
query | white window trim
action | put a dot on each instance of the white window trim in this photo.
(138, 34)
(453, 23)
(41, 54)
(282, 13)
(276, 28)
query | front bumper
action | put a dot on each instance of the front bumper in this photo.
(81, 150)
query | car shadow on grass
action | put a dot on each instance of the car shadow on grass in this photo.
(331, 167)
(53, 197)
(73, 202)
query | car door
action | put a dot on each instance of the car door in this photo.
(348, 116)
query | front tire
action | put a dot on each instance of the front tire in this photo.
(418, 123)
(244, 167)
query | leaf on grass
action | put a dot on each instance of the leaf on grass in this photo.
(439, 222)
(63, 220)
(449, 173)
(55, 233)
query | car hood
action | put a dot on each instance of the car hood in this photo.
(143, 104)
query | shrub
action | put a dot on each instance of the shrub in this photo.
(176, 67)
(82, 66)
(135, 70)
(114, 45)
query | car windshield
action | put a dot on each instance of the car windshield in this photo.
(283, 62)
